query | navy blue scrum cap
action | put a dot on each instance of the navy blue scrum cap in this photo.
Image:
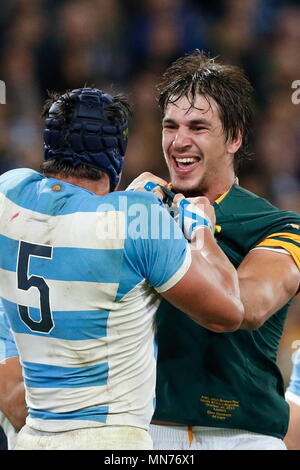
(89, 137)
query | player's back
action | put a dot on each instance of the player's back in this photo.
(80, 311)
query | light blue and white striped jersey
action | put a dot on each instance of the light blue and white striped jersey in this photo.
(80, 277)
(293, 390)
(7, 343)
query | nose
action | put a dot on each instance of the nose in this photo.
(181, 140)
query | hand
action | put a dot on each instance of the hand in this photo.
(192, 214)
(140, 184)
(204, 204)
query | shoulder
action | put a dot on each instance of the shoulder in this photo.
(243, 204)
(121, 204)
(125, 200)
(17, 176)
(133, 197)
(244, 200)
(15, 185)
(247, 219)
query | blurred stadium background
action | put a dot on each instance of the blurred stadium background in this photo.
(126, 44)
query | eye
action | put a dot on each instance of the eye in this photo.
(169, 125)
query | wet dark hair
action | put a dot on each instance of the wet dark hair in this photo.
(227, 85)
(56, 167)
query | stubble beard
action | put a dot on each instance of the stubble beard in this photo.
(198, 188)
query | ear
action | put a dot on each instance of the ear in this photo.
(234, 144)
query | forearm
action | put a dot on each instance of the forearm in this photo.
(223, 309)
(218, 263)
(258, 304)
(12, 395)
(292, 438)
(13, 406)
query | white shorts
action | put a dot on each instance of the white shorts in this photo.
(104, 437)
(205, 438)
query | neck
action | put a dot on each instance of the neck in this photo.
(213, 192)
(212, 189)
(99, 187)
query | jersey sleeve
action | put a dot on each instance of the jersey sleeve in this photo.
(7, 343)
(276, 229)
(293, 390)
(249, 221)
(288, 241)
(157, 246)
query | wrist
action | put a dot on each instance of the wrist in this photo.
(201, 237)
(192, 218)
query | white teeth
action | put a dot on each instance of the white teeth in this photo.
(186, 160)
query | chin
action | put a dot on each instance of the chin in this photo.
(188, 188)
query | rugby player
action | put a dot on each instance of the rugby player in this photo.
(223, 391)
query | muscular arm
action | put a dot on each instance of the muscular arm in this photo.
(292, 438)
(209, 291)
(12, 396)
(268, 280)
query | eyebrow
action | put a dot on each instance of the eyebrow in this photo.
(191, 122)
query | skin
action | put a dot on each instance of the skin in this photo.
(292, 438)
(197, 133)
(12, 398)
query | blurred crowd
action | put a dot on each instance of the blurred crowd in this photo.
(125, 45)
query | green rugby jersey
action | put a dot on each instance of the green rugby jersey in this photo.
(228, 380)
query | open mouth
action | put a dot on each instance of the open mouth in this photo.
(185, 164)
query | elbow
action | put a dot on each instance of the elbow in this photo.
(255, 317)
(228, 321)
(228, 327)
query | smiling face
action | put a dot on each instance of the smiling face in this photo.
(199, 158)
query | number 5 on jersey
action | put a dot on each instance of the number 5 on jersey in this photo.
(26, 250)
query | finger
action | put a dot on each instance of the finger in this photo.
(159, 193)
(155, 189)
(147, 176)
(178, 198)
